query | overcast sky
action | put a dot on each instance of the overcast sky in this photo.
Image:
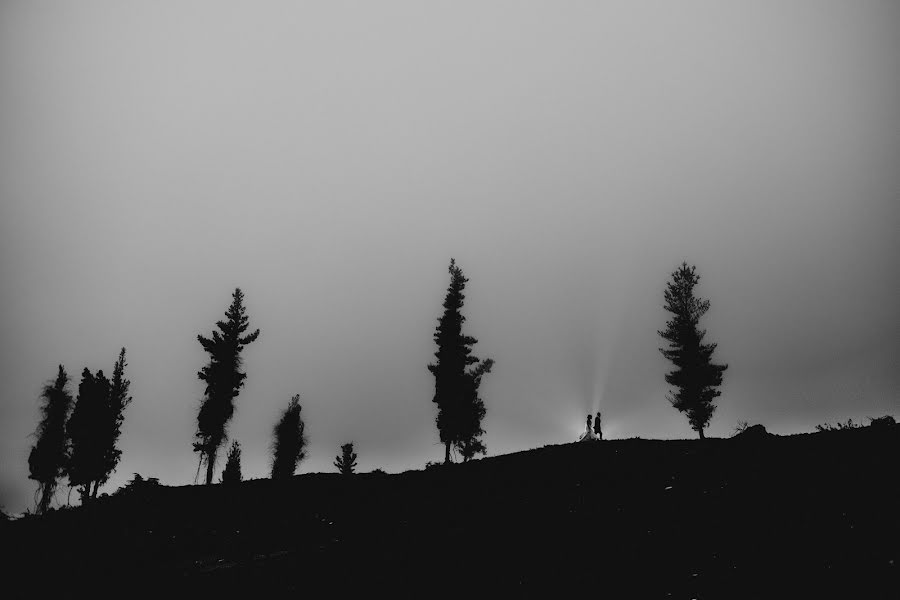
(330, 157)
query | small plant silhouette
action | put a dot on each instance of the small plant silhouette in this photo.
(137, 484)
(849, 424)
(346, 461)
(232, 472)
(741, 427)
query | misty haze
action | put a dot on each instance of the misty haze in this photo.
(609, 180)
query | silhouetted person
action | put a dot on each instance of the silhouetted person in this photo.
(597, 430)
(588, 434)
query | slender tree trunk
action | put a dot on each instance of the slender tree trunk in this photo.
(210, 467)
(447, 453)
(700, 431)
(199, 464)
(44, 502)
(96, 488)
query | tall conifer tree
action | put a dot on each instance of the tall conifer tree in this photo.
(223, 378)
(289, 441)
(116, 402)
(47, 458)
(455, 389)
(87, 431)
(695, 377)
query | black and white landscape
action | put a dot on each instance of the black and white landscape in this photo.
(450, 297)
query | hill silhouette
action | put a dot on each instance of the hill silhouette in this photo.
(810, 515)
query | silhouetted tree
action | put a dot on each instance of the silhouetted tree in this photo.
(94, 428)
(116, 402)
(290, 441)
(695, 376)
(346, 460)
(87, 432)
(224, 380)
(455, 389)
(47, 458)
(232, 472)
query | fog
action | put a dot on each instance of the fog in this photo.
(331, 157)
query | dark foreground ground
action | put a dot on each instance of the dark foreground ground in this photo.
(803, 516)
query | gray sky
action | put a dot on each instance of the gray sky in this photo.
(330, 157)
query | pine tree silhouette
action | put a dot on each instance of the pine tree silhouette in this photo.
(455, 389)
(94, 429)
(346, 460)
(224, 380)
(87, 431)
(117, 400)
(47, 458)
(695, 376)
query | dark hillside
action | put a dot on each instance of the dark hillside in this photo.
(797, 516)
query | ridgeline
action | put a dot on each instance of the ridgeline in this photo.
(752, 516)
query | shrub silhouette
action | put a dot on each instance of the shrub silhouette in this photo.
(137, 484)
(885, 422)
(752, 432)
(232, 471)
(849, 424)
(740, 427)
